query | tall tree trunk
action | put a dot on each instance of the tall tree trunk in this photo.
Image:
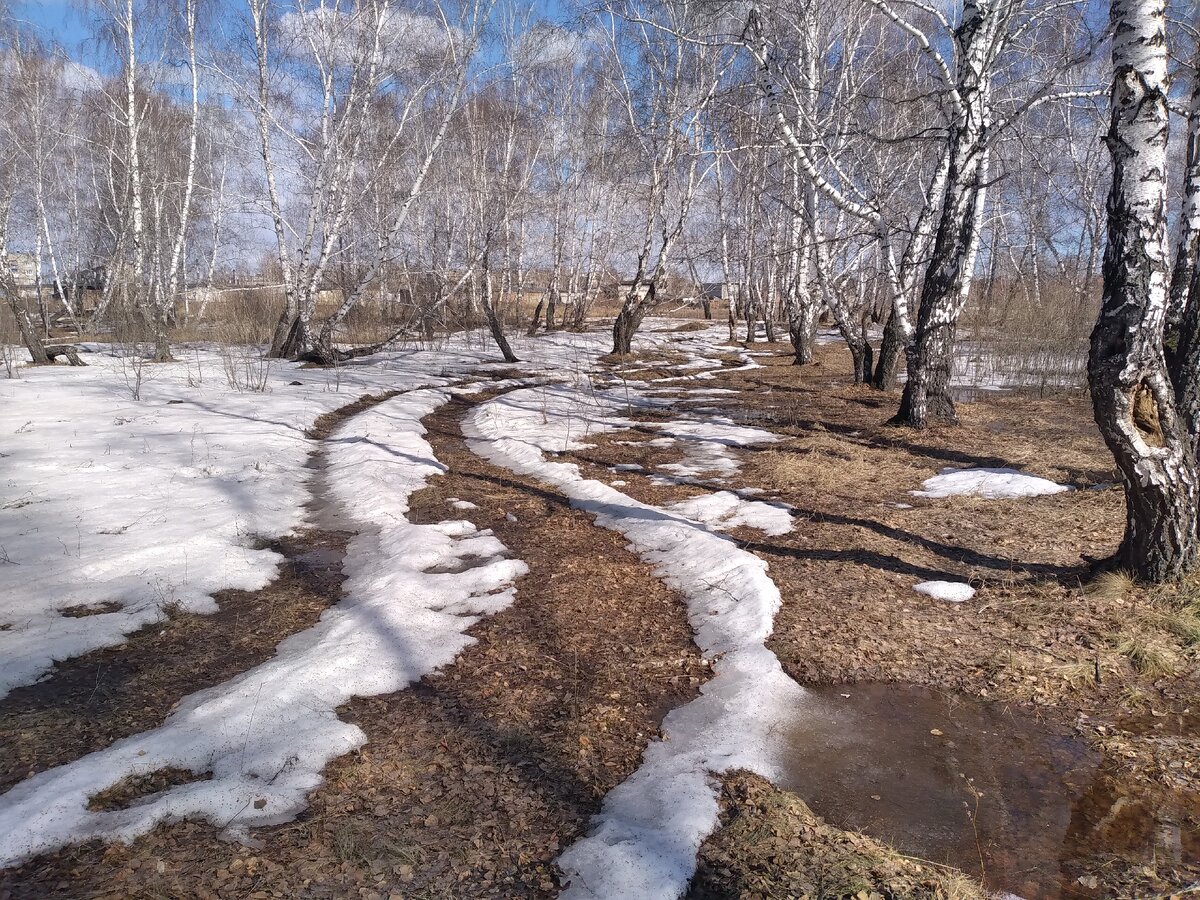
(1131, 394)
(1187, 250)
(948, 277)
(8, 284)
(802, 337)
(489, 310)
(1184, 366)
(629, 319)
(1183, 308)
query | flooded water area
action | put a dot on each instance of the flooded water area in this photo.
(980, 786)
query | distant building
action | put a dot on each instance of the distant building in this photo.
(83, 288)
(720, 290)
(24, 269)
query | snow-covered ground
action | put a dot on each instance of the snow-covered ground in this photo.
(264, 737)
(114, 510)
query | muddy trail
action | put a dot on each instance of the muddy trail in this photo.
(88, 702)
(475, 778)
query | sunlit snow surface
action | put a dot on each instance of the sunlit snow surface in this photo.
(950, 591)
(991, 484)
(141, 505)
(725, 509)
(266, 735)
(147, 503)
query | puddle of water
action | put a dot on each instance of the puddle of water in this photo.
(975, 785)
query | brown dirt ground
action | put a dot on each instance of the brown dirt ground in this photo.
(473, 779)
(1037, 634)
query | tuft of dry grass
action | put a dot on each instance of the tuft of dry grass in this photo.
(1148, 653)
(1183, 623)
(1078, 676)
(1113, 587)
(1163, 627)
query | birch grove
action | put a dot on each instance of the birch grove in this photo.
(904, 177)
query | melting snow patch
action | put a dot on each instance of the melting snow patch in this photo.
(950, 591)
(461, 504)
(992, 484)
(724, 510)
(266, 735)
(131, 506)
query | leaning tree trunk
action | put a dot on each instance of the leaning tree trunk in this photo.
(537, 318)
(629, 319)
(493, 320)
(285, 325)
(930, 355)
(296, 338)
(1131, 394)
(29, 332)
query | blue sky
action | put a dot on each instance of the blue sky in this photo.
(62, 22)
(59, 20)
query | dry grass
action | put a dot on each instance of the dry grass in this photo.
(826, 462)
(772, 845)
(1162, 628)
(1150, 655)
(1112, 587)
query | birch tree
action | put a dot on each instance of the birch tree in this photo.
(1132, 395)
(347, 68)
(665, 77)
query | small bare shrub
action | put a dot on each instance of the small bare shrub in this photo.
(247, 367)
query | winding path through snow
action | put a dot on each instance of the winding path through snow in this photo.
(645, 840)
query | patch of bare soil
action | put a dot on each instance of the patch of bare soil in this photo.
(89, 702)
(474, 779)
